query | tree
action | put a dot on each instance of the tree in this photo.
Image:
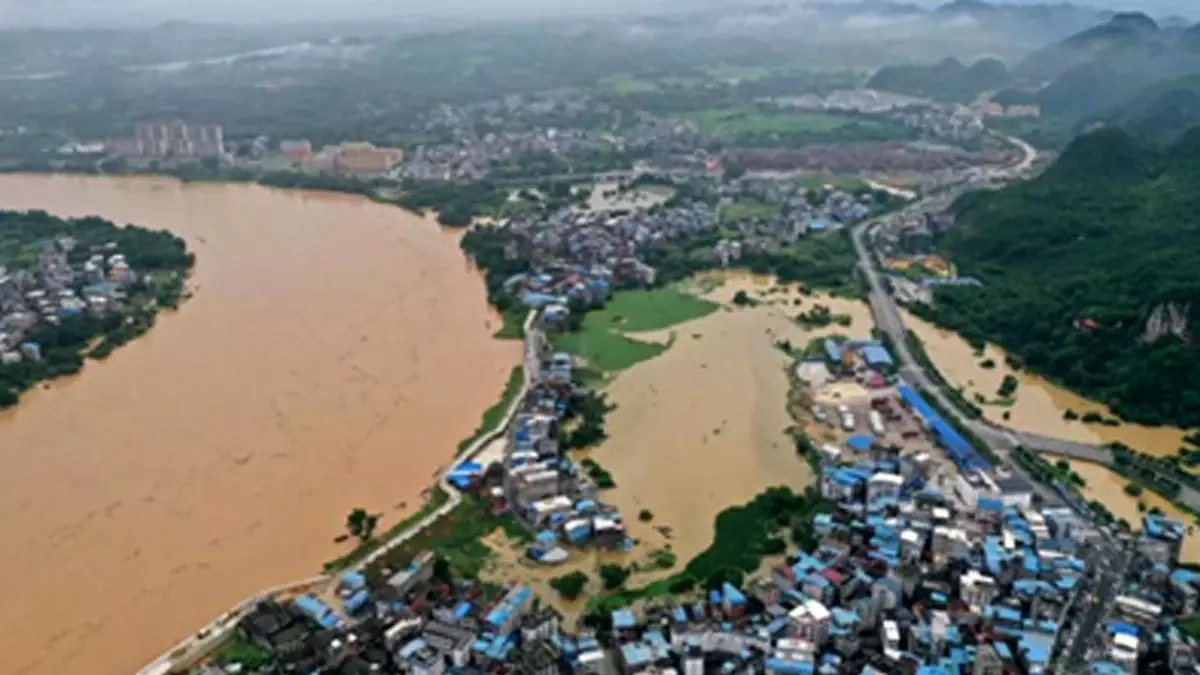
(1008, 386)
(1133, 489)
(613, 576)
(361, 524)
(570, 586)
(645, 515)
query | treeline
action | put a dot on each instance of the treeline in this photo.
(819, 261)
(1159, 474)
(456, 204)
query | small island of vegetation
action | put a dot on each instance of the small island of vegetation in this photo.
(76, 289)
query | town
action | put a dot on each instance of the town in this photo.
(916, 564)
(919, 551)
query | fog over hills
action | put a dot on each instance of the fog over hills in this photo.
(112, 13)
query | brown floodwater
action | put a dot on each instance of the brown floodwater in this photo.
(334, 353)
(1039, 404)
(1108, 488)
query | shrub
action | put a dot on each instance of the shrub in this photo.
(570, 586)
(613, 576)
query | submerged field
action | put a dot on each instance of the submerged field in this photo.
(703, 426)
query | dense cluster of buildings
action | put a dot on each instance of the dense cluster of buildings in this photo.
(349, 158)
(952, 123)
(478, 138)
(58, 289)
(542, 487)
(900, 578)
(171, 140)
(581, 256)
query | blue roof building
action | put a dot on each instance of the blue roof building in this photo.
(877, 357)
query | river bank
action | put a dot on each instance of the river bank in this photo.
(333, 355)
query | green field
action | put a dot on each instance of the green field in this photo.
(607, 350)
(628, 84)
(747, 210)
(602, 342)
(749, 120)
(637, 311)
(731, 72)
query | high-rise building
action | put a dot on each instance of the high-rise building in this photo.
(176, 139)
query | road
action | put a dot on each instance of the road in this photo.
(889, 320)
(1097, 596)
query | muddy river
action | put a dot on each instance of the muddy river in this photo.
(335, 352)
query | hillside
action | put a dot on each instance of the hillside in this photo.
(1122, 36)
(1075, 264)
(1160, 112)
(948, 80)
(1128, 72)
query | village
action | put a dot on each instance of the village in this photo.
(57, 289)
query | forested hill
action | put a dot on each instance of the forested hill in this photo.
(1077, 263)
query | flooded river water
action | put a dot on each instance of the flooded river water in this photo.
(335, 352)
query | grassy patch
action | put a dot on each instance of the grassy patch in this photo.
(732, 72)
(749, 120)
(1190, 627)
(242, 651)
(605, 349)
(493, 415)
(601, 341)
(626, 83)
(636, 311)
(746, 210)
(513, 327)
(457, 537)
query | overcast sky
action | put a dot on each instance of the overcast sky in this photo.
(140, 12)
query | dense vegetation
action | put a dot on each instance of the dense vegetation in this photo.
(947, 80)
(160, 258)
(1078, 262)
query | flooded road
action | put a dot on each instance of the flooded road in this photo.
(1039, 404)
(335, 352)
(1108, 488)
